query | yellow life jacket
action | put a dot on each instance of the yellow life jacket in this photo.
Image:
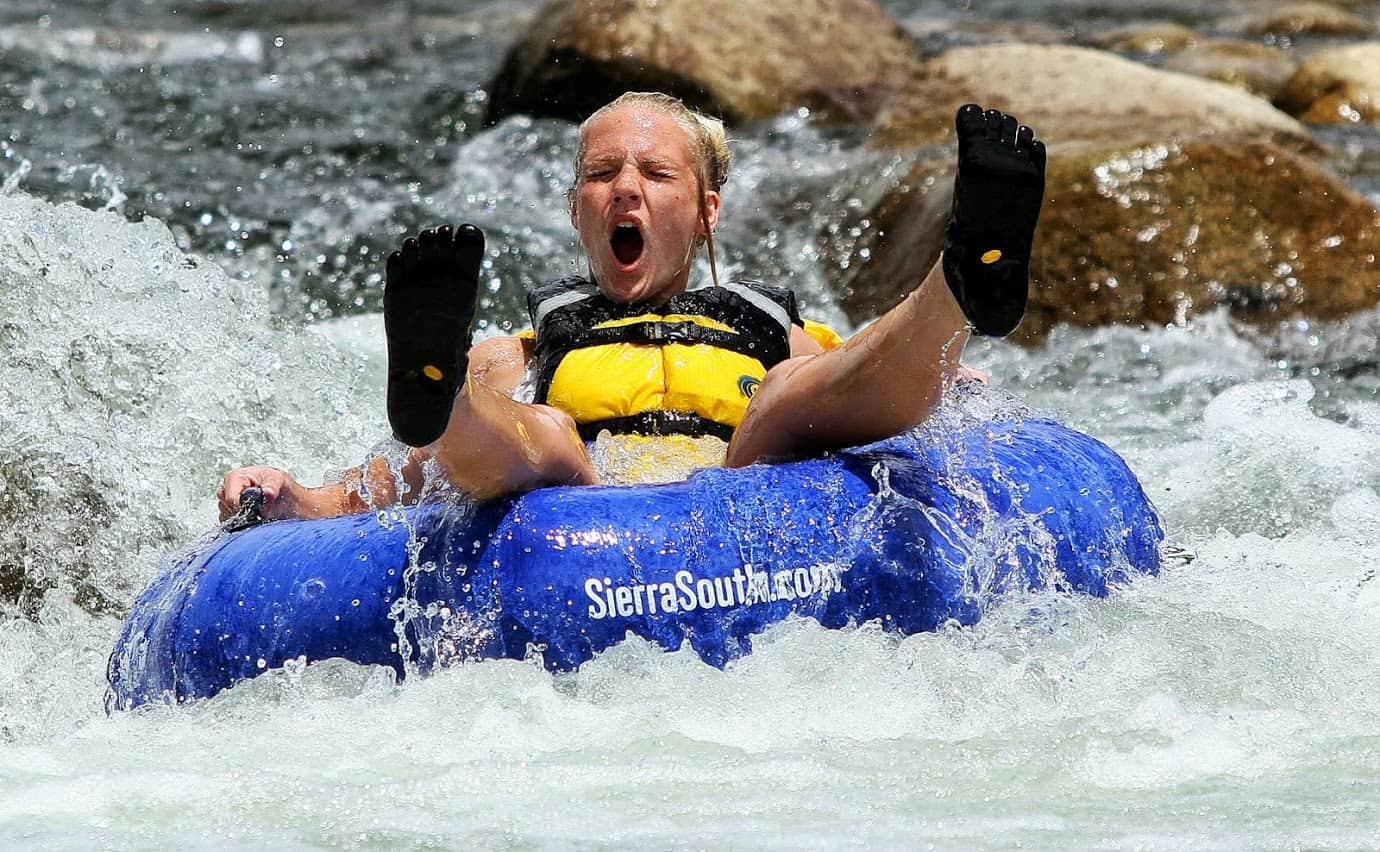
(688, 366)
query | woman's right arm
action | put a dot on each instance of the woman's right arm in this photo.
(285, 497)
(499, 363)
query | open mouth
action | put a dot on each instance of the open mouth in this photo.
(626, 243)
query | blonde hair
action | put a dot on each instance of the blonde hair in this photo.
(708, 149)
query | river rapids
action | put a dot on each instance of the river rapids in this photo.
(195, 199)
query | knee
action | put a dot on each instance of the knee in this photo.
(777, 381)
(777, 420)
(557, 453)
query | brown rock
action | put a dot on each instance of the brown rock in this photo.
(1336, 86)
(1069, 93)
(882, 251)
(948, 33)
(1258, 68)
(1158, 234)
(737, 60)
(1156, 37)
(1302, 18)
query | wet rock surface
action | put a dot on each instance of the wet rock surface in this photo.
(1336, 86)
(1157, 37)
(1078, 93)
(1260, 69)
(1302, 18)
(738, 61)
(1157, 234)
(1167, 195)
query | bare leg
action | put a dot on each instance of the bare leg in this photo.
(887, 378)
(494, 445)
(453, 400)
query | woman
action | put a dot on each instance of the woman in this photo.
(646, 197)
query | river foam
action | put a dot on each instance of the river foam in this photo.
(1242, 682)
(1230, 703)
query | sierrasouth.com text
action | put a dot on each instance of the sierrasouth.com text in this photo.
(687, 592)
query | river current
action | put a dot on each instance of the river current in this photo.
(194, 202)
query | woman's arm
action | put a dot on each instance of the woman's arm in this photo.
(285, 497)
(498, 363)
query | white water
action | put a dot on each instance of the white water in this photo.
(1231, 702)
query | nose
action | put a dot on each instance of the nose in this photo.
(625, 186)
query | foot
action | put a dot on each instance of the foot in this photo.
(428, 305)
(997, 195)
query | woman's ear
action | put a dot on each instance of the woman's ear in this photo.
(710, 213)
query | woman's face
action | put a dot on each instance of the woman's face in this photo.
(636, 205)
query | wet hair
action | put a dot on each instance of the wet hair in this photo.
(708, 149)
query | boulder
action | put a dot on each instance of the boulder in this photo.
(1336, 86)
(933, 36)
(1308, 18)
(1152, 235)
(1077, 93)
(1258, 68)
(1156, 37)
(737, 60)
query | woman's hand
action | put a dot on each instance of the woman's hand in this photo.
(282, 494)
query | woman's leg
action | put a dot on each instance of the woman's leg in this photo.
(892, 374)
(494, 445)
(453, 400)
(885, 379)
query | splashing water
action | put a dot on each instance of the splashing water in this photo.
(1230, 703)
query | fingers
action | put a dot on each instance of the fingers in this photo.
(228, 494)
(269, 480)
(223, 504)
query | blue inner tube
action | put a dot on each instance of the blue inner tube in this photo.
(913, 532)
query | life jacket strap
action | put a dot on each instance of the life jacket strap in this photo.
(660, 332)
(657, 422)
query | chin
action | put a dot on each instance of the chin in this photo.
(624, 286)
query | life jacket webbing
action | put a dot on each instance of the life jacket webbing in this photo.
(658, 422)
(754, 323)
(659, 332)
